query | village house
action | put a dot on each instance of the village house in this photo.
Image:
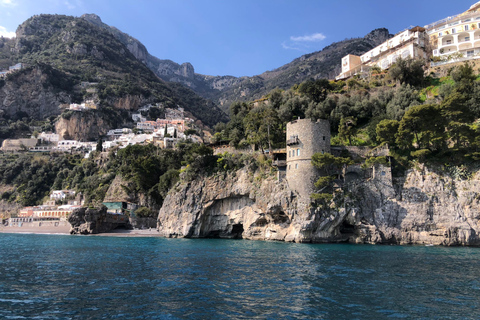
(62, 194)
(48, 137)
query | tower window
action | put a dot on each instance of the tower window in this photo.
(298, 152)
(323, 151)
(323, 138)
(296, 165)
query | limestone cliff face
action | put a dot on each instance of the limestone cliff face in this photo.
(424, 207)
(234, 206)
(30, 92)
(82, 126)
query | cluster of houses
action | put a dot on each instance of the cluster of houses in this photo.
(452, 39)
(60, 205)
(18, 66)
(164, 133)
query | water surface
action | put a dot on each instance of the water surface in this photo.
(74, 277)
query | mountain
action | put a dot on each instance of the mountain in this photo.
(64, 53)
(321, 64)
(225, 89)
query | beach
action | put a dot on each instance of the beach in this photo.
(66, 231)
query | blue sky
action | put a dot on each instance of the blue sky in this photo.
(242, 37)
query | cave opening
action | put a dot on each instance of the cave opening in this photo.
(347, 228)
(237, 230)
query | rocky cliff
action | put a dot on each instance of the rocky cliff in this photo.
(95, 220)
(31, 92)
(82, 126)
(424, 207)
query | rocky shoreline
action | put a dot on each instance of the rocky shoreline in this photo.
(424, 208)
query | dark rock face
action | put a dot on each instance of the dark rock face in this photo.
(97, 220)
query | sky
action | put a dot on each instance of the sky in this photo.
(242, 37)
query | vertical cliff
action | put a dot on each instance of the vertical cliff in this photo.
(423, 207)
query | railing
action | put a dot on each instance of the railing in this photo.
(292, 141)
(436, 64)
(279, 163)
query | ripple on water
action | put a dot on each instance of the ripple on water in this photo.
(64, 277)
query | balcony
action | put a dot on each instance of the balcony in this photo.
(293, 141)
(279, 163)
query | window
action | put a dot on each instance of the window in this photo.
(298, 152)
(454, 30)
(289, 167)
(470, 53)
(467, 38)
(466, 28)
(323, 138)
(289, 153)
(323, 151)
(449, 41)
(440, 34)
(296, 165)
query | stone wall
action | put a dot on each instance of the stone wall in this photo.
(312, 137)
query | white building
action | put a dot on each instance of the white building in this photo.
(118, 132)
(50, 137)
(67, 145)
(61, 194)
(409, 43)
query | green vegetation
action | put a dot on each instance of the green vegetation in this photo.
(402, 112)
(149, 170)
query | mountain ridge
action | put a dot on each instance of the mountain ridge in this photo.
(80, 51)
(225, 89)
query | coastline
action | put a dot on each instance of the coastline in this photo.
(65, 230)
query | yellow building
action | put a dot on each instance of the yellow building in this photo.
(458, 36)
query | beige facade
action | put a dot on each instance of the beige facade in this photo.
(409, 43)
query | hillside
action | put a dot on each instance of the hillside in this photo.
(78, 51)
(223, 90)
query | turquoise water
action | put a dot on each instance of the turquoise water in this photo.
(73, 277)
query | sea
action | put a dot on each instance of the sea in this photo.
(91, 277)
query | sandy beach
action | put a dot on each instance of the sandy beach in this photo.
(66, 231)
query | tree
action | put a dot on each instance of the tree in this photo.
(386, 131)
(464, 76)
(316, 90)
(424, 123)
(99, 147)
(329, 163)
(346, 129)
(144, 212)
(408, 71)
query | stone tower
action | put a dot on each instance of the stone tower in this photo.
(304, 138)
